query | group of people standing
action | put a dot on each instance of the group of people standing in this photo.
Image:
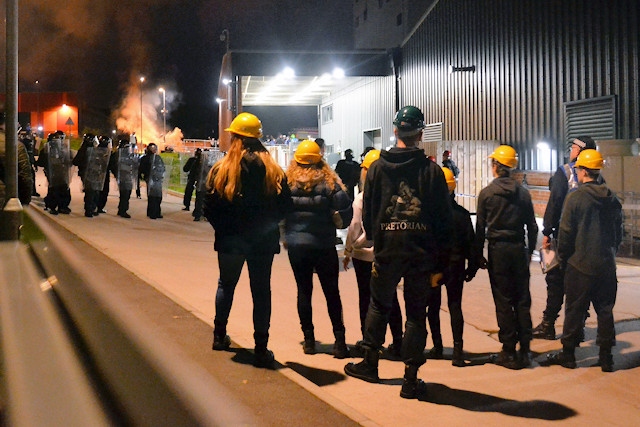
(97, 159)
(404, 224)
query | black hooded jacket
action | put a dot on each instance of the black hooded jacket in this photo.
(504, 209)
(406, 210)
(590, 229)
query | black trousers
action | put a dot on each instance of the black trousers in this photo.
(188, 192)
(259, 267)
(581, 290)
(125, 196)
(384, 280)
(325, 263)
(90, 200)
(555, 294)
(454, 282)
(153, 207)
(363, 278)
(509, 276)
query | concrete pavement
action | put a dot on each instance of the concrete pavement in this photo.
(175, 255)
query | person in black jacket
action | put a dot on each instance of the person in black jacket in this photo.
(193, 167)
(248, 196)
(152, 171)
(320, 205)
(55, 158)
(504, 210)
(454, 277)
(589, 236)
(564, 181)
(407, 214)
(349, 172)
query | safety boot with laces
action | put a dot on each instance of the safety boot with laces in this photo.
(367, 369)
(546, 330)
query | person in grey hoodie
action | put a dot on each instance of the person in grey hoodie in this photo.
(504, 210)
(589, 237)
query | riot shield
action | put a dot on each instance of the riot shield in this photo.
(128, 163)
(156, 176)
(96, 169)
(59, 158)
(209, 158)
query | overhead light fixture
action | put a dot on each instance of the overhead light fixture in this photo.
(338, 73)
(469, 69)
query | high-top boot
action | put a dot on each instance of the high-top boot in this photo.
(367, 369)
(412, 387)
(340, 349)
(605, 360)
(546, 330)
(524, 355)
(437, 349)
(309, 345)
(221, 341)
(458, 356)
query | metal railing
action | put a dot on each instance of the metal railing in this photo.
(73, 355)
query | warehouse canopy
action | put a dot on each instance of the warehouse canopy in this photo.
(271, 78)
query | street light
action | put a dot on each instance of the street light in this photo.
(141, 81)
(164, 115)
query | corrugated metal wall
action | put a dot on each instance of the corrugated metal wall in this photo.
(365, 106)
(530, 57)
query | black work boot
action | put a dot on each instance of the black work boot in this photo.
(566, 358)
(458, 356)
(264, 358)
(546, 330)
(367, 370)
(309, 345)
(395, 349)
(507, 358)
(605, 359)
(340, 349)
(221, 340)
(524, 355)
(412, 387)
(437, 350)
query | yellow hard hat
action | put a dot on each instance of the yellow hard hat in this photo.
(307, 153)
(590, 159)
(505, 155)
(450, 178)
(369, 158)
(246, 124)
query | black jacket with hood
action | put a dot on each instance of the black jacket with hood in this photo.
(406, 210)
(590, 229)
(504, 209)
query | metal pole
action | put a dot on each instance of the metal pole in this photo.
(141, 81)
(164, 115)
(12, 211)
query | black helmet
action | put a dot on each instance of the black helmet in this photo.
(104, 140)
(409, 120)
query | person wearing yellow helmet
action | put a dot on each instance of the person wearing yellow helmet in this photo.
(359, 250)
(588, 239)
(564, 181)
(320, 206)
(504, 211)
(455, 274)
(247, 196)
(407, 214)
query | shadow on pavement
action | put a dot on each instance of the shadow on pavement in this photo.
(478, 402)
(320, 377)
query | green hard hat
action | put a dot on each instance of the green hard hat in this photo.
(409, 118)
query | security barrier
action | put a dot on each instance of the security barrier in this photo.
(73, 356)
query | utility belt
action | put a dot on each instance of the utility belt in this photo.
(506, 240)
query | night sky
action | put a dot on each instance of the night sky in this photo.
(99, 48)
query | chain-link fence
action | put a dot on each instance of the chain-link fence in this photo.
(630, 246)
